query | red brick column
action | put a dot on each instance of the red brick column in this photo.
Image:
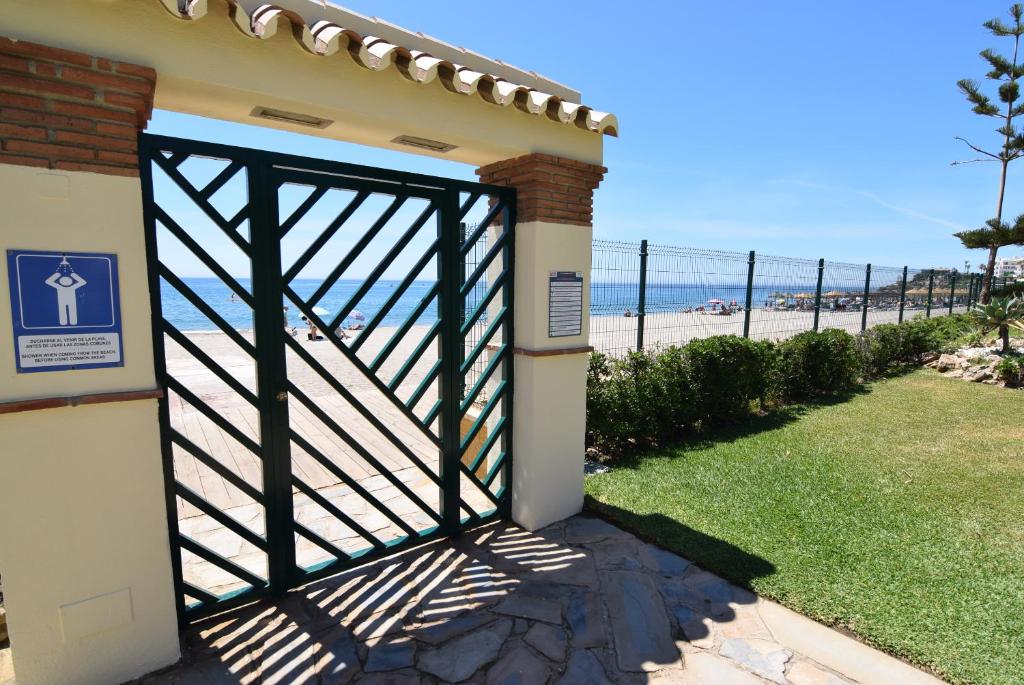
(549, 188)
(66, 110)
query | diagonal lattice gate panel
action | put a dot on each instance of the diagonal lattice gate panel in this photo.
(335, 343)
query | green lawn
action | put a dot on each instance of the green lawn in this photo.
(897, 514)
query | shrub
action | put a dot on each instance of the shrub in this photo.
(813, 364)
(1011, 371)
(622, 398)
(726, 374)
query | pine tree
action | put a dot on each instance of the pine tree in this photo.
(996, 233)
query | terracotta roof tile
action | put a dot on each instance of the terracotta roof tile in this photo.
(324, 38)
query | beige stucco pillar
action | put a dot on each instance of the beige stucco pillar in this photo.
(84, 554)
(553, 234)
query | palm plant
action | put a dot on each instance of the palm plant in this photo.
(1000, 315)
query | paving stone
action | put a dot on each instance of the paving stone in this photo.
(520, 626)
(585, 616)
(519, 666)
(535, 608)
(766, 659)
(642, 633)
(805, 673)
(678, 593)
(460, 658)
(335, 656)
(663, 562)
(209, 672)
(548, 640)
(445, 629)
(582, 529)
(697, 629)
(407, 677)
(616, 554)
(745, 622)
(708, 669)
(584, 667)
(390, 655)
(710, 587)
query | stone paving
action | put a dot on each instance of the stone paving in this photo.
(580, 601)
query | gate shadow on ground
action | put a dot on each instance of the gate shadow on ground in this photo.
(605, 588)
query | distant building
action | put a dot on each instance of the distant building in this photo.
(1010, 267)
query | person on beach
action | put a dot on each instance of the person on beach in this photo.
(287, 326)
(312, 334)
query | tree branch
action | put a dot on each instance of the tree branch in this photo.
(975, 147)
(958, 162)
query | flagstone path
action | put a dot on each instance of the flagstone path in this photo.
(580, 601)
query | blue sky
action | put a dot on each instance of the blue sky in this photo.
(804, 129)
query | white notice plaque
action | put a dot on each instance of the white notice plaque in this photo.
(565, 304)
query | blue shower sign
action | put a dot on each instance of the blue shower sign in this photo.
(65, 310)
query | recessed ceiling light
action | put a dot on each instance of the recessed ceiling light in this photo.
(291, 117)
(424, 143)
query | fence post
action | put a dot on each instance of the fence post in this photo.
(750, 295)
(642, 303)
(952, 290)
(903, 293)
(931, 284)
(817, 293)
(864, 301)
(970, 289)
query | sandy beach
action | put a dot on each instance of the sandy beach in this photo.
(617, 334)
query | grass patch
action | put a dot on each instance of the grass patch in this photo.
(897, 514)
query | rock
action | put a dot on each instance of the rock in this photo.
(977, 374)
(535, 608)
(462, 657)
(929, 357)
(390, 655)
(550, 641)
(642, 633)
(519, 667)
(585, 617)
(947, 362)
(582, 529)
(766, 659)
(708, 669)
(584, 668)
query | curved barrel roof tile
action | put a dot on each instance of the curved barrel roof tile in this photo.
(324, 38)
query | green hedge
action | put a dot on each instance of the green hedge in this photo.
(656, 397)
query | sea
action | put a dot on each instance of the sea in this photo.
(606, 299)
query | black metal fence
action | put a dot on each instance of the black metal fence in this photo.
(646, 295)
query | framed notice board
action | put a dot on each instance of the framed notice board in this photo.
(565, 304)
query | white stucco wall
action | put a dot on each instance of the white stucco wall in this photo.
(83, 534)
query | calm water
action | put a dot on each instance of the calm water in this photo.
(606, 299)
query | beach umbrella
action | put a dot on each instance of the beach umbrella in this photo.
(320, 311)
(804, 296)
(834, 293)
(715, 300)
(357, 315)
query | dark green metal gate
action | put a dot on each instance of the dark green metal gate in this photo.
(288, 457)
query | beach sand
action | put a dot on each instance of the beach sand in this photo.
(618, 334)
(402, 478)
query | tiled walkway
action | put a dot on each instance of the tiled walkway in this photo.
(578, 602)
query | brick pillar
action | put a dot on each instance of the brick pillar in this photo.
(83, 529)
(69, 111)
(553, 233)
